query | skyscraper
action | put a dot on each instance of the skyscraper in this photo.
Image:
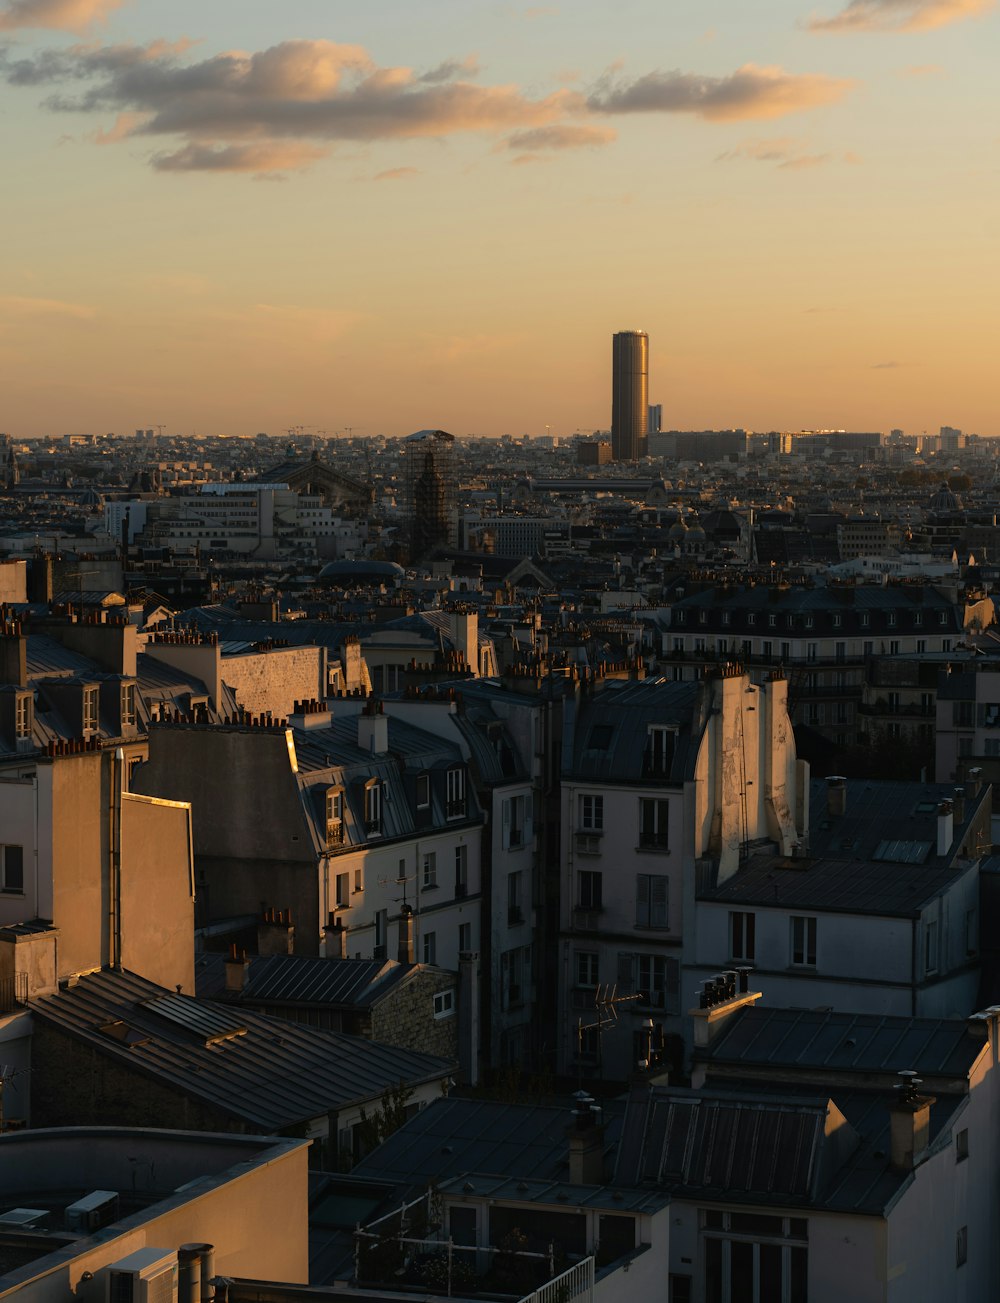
(629, 394)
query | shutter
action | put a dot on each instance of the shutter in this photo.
(642, 899)
(658, 915)
(626, 969)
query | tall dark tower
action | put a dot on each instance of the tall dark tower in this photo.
(429, 457)
(629, 394)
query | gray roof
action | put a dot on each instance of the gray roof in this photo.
(299, 979)
(607, 736)
(452, 1136)
(270, 1073)
(770, 1038)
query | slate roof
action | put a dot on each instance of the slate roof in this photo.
(607, 735)
(816, 1041)
(267, 1072)
(299, 979)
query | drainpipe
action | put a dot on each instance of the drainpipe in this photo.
(115, 859)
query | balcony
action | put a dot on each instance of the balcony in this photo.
(454, 809)
(334, 832)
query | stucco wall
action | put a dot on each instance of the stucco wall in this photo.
(156, 892)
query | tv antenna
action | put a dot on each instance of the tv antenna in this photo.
(606, 1002)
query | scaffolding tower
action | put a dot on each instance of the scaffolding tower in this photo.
(429, 457)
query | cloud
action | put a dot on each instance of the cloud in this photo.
(749, 92)
(884, 366)
(278, 108)
(900, 15)
(258, 156)
(922, 70)
(11, 305)
(64, 15)
(396, 174)
(561, 137)
(785, 153)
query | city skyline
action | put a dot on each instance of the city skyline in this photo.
(795, 203)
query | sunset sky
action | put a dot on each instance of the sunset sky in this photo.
(237, 215)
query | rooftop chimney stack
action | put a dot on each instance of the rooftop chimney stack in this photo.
(958, 805)
(945, 827)
(836, 795)
(237, 969)
(373, 730)
(973, 782)
(405, 952)
(909, 1123)
(586, 1142)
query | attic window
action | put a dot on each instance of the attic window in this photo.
(600, 737)
(423, 791)
(22, 715)
(124, 1034)
(89, 710)
(334, 816)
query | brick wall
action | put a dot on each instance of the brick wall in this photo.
(406, 1016)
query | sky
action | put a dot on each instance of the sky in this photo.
(378, 217)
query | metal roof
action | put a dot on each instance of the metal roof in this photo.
(847, 1042)
(609, 733)
(274, 1076)
(299, 979)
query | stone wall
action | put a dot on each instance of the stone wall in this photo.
(274, 680)
(406, 1016)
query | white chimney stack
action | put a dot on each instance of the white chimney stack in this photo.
(945, 828)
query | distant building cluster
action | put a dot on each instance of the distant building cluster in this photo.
(474, 868)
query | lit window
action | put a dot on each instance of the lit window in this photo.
(334, 817)
(128, 704)
(22, 719)
(89, 709)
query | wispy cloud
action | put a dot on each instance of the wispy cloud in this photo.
(900, 15)
(396, 174)
(257, 156)
(12, 305)
(751, 92)
(63, 15)
(785, 153)
(885, 366)
(561, 136)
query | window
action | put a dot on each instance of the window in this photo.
(592, 813)
(381, 933)
(751, 618)
(894, 647)
(812, 651)
(461, 870)
(930, 947)
(429, 874)
(423, 791)
(890, 619)
(373, 808)
(725, 617)
(358, 885)
(803, 942)
(128, 704)
(962, 714)
(921, 646)
(836, 621)
(456, 794)
(430, 947)
(865, 619)
(742, 935)
(589, 895)
(867, 648)
(464, 937)
(515, 833)
(766, 649)
(514, 913)
(659, 751)
(587, 968)
(343, 885)
(334, 816)
(699, 644)
(754, 1257)
(651, 980)
(962, 1145)
(653, 824)
(651, 900)
(89, 709)
(12, 868)
(444, 1004)
(22, 716)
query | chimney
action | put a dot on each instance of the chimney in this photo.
(275, 933)
(335, 941)
(836, 795)
(945, 827)
(958, 805)
(373, 731)
(405, 951)
(586, 1142)
(13, 655)
(909, 1124)
(973, 782)
(189, 1273)
(720, 997)
(237, 968)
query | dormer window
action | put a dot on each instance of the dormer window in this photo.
(334, 816)
(659, 753)
(373, 808)
(456, 794)
(423, 791)
(23, 715)
(128, 704)
(90, 710)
